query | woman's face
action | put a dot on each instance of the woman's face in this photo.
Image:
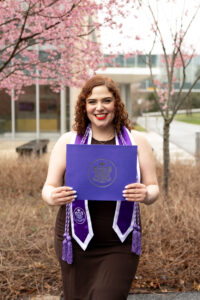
(100, 107)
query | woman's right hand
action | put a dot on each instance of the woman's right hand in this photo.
(61, 195)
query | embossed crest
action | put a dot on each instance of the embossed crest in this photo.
(79, 215)
(102, 172)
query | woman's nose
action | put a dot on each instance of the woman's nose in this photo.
(99, 106)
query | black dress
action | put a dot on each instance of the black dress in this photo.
(106, 269)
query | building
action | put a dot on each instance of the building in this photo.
(40, 112)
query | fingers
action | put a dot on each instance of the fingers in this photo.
(63, 195)
(134, 185)
(135, 192)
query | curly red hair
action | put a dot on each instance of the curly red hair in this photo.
(81, 119)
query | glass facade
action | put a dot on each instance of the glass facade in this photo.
(139, 61)
(49, 110)
(130, 62)
(119, 61)
(25, 119)
(5, 112)
(25, 111)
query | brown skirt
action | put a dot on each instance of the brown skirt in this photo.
(106, 269)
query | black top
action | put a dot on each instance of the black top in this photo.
(102, 215)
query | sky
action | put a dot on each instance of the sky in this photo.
(136, 34)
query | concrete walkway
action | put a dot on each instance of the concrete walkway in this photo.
(181, 134)
(176, 153)
(7, 147)
(164, 296)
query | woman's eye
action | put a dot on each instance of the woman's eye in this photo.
(91, 101)
(107, 100)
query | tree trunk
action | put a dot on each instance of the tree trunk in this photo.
(166, 157)
(189, 106)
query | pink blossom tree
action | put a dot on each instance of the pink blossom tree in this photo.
(44, 40)
(51, 41)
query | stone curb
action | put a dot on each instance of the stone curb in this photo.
(163, 296)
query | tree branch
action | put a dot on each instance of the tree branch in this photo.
(17, 43)
(188, 93)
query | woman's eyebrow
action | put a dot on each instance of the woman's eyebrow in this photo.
(91, 99)
(109, 97)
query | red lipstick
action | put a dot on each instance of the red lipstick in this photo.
(101, 118)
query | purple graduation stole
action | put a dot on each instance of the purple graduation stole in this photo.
(126, 218)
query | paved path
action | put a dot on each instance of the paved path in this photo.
(164, 296)
(176, 153)
(181, 134)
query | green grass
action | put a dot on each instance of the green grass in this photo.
(139, 128)
(192, 119)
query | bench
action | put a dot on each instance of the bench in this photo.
(35, 147)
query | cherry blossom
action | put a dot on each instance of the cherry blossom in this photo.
(52, 41)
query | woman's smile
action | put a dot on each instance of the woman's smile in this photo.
(101, 116)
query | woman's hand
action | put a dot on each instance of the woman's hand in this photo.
(59, 195)
(135, 192)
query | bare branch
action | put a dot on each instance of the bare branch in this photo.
(154, 87)
(182, 84)
(161, 40)
(190, 23)
(188, 93)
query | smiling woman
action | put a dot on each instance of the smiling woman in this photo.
(106, 234)
(100, 109)
(100, 89)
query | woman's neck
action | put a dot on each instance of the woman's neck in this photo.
(103, 134)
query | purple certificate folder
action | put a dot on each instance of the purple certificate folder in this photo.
(100, 172)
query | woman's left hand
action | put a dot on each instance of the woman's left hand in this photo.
(135, 192)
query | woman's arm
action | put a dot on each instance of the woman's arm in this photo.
(147, 191)
(53, 192)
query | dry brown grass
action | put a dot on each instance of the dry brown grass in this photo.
(27, 261)
(171, 235)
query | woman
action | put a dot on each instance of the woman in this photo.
(106, 267)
